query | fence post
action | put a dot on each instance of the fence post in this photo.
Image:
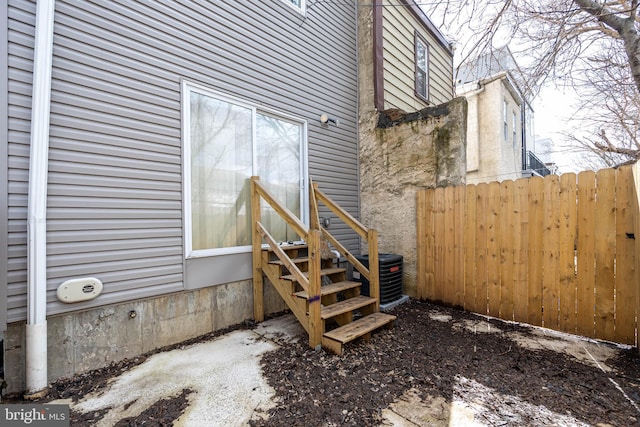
(256, 243)
(315, 306)
(636, 181)
(374, 271)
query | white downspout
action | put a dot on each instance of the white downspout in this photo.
(36, 331)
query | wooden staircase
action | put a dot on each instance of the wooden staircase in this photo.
(329, 307)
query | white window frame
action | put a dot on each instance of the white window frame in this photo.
(515, 128)
(422, 68)
(302, 8)
(187, 88)
(505, 120)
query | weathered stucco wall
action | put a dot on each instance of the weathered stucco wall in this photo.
(86, 340)
(489, 156)
(399, 154)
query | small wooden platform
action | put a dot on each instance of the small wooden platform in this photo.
(336, 338)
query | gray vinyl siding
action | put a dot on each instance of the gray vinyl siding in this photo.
(20, 50)
(4, 130)
(115, 202)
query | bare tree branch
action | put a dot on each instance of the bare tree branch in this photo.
(591, 46)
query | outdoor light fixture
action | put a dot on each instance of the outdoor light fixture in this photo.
(324, 119)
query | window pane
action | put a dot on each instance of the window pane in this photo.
(278, 152)
(421, 56)
(514, 128)
(221, 164)
(504, 120)
(421, 83)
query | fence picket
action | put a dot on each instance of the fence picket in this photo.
(482, 251)
(449, 240)
(493, 246)
(626, 282)
(550, 252)
(470, 228)
(586, 252)
(440, 232)
(536, 223)
(521, 245)
(567, 256)
(506, 239)
(458, 246)
(605, 235)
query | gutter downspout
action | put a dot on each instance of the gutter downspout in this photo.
(36, 329)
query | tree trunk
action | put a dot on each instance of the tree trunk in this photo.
(625, 27)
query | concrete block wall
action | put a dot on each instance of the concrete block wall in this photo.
(81, 341)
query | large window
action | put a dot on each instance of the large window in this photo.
(226, 142)
(422, 67)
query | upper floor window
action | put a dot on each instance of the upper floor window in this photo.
(300, 4)
(514, 128)
(505, 120)
(422, 67)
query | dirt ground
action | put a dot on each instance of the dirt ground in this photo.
(437, 367)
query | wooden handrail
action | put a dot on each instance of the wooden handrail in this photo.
(345, 253)
(341, 213)
(310, 283)
(298, 226)
(282, 256)
(370, 235)
(314, 216)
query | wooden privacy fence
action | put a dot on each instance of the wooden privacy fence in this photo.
(559, 252)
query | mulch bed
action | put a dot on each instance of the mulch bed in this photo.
(430, 356)
(421, 354)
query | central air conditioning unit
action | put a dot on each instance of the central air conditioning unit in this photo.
(390, 273)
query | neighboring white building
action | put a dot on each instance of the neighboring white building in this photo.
(499, 121)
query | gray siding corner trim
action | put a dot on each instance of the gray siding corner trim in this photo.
(4, 131)
(378, 55)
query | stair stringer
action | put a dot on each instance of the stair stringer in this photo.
(283, 287)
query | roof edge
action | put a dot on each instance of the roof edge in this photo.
(421, 16)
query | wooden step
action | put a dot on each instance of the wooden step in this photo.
(323, 272)
(286, 247)
(294, 260)
(335, 339)
(332, 288)
(345, 306)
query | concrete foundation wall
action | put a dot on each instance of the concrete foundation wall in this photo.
(399, 154)
(81, 341)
